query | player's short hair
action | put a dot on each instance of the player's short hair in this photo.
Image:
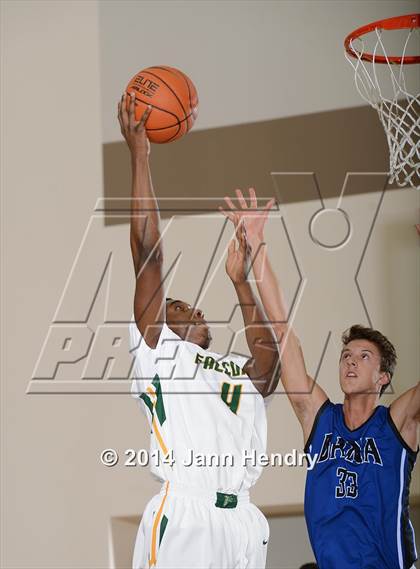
(386, 349)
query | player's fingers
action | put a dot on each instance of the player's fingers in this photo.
(241, 199)
(229, 203)
(119, 114)
(144, 116)
(238, 220)
(253, 198)
(269, 204)
(123, 107)
(131, 110)
(227, 214)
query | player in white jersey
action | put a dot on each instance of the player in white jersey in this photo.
(206, 411)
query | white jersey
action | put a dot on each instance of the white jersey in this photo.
(205, 414)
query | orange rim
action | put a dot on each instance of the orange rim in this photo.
(409, 21)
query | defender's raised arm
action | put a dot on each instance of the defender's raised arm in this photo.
(305, 395)
(264, 366)
(405, 412)
(145, 237)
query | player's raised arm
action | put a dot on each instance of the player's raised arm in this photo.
(305, 395)
(264, 366)
(145, 238)
(405, 413)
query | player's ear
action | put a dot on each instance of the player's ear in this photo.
(384, 378)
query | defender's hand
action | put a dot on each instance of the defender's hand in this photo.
(133, 131)
(237, 262)
(253, 219)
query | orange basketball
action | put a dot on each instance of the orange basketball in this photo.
(173, 98)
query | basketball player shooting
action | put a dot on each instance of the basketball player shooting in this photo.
(197, 402)
(356, 497)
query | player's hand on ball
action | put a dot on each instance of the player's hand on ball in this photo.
(237, 262)
(133, 131)
(253, 219)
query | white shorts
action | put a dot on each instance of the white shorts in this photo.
(182, 528)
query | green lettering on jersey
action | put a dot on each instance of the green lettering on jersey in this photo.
(209, 363)
(229, 368)
(233, 401)
(236, 370)
(148, 402)
(218, 367)
(226, 368)
(159, 406)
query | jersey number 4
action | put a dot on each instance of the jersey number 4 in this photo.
(231, 395)
(347, 484)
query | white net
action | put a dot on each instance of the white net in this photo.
(398, 108)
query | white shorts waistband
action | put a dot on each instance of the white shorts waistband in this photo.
(209, 496)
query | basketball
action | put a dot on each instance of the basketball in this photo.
(173, 99)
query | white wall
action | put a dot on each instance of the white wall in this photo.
(250, 61)
(51, 177)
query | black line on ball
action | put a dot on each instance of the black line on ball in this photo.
(158, 108)
(172, 125)
(169, 87)
(178, 122)
(177, 73)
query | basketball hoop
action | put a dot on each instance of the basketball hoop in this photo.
(397, 107)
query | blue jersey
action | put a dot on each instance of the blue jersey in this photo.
(356, 496)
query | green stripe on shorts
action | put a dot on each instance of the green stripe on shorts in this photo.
(163, 525)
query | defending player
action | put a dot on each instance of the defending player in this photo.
(204, 409)
(356, 498)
